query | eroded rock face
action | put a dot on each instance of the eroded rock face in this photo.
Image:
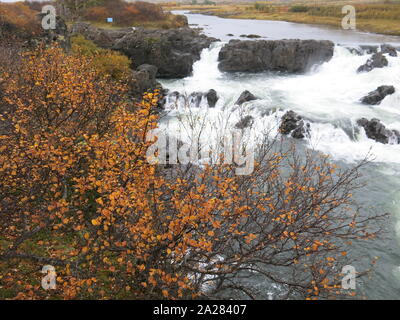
(245, 97)
(173, 51)
(292, 56)
(375, 97)
(375, 130)
(387, 48)
(143, 79)
(294, 124)
(378, 60)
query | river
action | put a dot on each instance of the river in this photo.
(329, 96)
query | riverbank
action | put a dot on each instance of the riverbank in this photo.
(371, 17)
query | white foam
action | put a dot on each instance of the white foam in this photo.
(329, 96)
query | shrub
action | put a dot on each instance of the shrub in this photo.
(78, 193)
(18, 20)
(105, 62)
(125, 13)
(298, 9)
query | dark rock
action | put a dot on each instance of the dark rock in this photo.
(150, 69)
(212, 98)
(375, 130)
(103, 38)
(387, 48)
(294, 125)
(245, 122)
(250, 36)
(172, 51)
(355, 51)
(375, 97)
(274, 55)
(143, 79)
(230, 35)
(245, 97)
(60, 34)
(378, 60)
(369, 49)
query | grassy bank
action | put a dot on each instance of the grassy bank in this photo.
(371, 17)
(21, 18)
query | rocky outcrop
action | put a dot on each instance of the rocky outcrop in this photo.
(245, 97)
(375, 130)
(293, 124)
(245, 122)
(378, 60)
(60, 34)
(103, 38)
(143, 79)
(387, 48)
(292, 56)
(172, 51)
(375, 97)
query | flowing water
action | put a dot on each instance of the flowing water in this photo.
(329, 96)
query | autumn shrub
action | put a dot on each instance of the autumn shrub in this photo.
(37, 5)
(18, 20)
(78, 193)
(97, 14)
(132, 14)
(106, 62)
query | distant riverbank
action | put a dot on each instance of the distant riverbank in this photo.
(376, 18)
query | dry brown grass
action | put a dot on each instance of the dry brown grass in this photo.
(371, 16)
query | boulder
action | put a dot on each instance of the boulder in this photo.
(212, 98)
(245, 97)
(293, 124)
(143, 79)
(375, 130)
(245, 122)
(378, 60)
(102, 38)
(387, 48)
(172, 51)
(375, 97)
(292, 56)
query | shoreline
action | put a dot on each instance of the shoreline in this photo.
(377, 26)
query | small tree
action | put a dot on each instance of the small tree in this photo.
(79, 194)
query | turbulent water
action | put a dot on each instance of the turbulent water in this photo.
(328, 96)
